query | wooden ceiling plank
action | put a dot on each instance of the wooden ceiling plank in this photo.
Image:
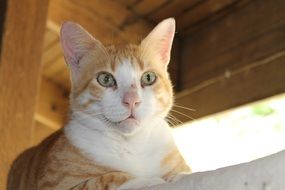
(147, 6)
(200, 12)
(137, 30)
(262, 79)
(21, 49)
(214, 17)
(52, 105)
(108, 33)
(109, 10)
(64, 10)
(128, 3)
(220, 47)
(173, 9)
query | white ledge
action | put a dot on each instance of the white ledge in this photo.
(266, 173)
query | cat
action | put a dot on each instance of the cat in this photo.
(117, 136)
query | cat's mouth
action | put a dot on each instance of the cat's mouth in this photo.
(127, 126)
(129, 120)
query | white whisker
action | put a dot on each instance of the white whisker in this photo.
(183, 114)
(183, 107)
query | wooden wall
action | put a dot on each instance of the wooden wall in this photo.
(235, 57)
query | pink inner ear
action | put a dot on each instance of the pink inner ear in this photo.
(75, 42)
(70, 54)
(166, 46)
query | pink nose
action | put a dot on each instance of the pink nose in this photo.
(131, 99)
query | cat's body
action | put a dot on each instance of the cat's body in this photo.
(117, 133)
(57, 164)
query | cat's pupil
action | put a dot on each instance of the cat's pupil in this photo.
(148, 77)
(106, 79)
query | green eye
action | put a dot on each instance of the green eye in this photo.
(148, 78)
(106, 79)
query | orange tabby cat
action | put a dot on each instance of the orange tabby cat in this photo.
(117, 136)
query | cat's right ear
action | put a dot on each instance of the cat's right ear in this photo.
(76, 42)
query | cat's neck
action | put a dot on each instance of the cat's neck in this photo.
(110, 148)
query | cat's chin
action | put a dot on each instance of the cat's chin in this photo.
(128, 126)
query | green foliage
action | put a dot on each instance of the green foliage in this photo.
(262, 109)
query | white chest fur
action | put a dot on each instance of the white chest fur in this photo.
(139, 155)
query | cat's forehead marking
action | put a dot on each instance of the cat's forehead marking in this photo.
(120, 53)
(126, 72)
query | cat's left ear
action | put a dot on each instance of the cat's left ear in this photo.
(159, 40)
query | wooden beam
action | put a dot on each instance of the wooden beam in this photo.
(200, 12)
(215, 16)
(96, 21)
(22, 38)
(256, 81)
(128, 3)
(52, 105)
(63, 10)
(109, 10)
(173, 9)
(148, 6)
(249, 33)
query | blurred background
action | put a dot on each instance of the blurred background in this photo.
(227, 54)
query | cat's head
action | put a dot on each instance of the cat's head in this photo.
(127, 87)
